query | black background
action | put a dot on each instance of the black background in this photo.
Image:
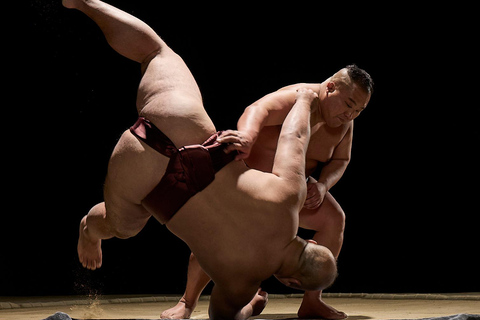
(410, 193)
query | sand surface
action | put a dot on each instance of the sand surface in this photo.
(279, 307)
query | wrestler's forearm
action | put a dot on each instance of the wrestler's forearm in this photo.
(271, 110)
(332, 172)
(293, 140)
(253, 120)
(297, 123)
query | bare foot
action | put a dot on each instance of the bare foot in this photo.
(314, 308)
(89, 251)
(181, 311)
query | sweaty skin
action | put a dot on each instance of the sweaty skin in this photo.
(330, 143)
(251, 228)
(340, 102)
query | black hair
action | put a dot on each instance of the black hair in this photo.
(360, 77)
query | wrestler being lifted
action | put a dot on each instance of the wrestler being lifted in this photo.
(342, 98)
(169, 164)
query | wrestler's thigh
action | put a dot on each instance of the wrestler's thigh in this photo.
(164, 73)
(133, 171)
(330, 212)
(169, 97)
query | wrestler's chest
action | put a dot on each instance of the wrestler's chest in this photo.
(322, 143)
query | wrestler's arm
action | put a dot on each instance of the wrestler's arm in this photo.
(331, 172)
(335, 168)
(289, 162)
(268, 111)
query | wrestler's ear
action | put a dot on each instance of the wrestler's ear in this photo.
(290, 282)
(330, 87)
(294, 283)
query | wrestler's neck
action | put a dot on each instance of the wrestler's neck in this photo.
(317, 114)
(292, 255)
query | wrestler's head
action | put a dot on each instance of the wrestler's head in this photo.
(316, 269)
(345, 95)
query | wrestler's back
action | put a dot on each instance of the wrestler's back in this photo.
(239, 223)
(223, 224)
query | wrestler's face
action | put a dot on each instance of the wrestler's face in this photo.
(343, 104)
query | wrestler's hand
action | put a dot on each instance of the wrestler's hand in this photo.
(237, 140)
(309, 96)
(316, 192)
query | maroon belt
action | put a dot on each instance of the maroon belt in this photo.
(190, 169)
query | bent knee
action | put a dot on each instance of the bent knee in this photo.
(339, 219)
(160, 49)
(329, 216)
(336, 218)
(123, 232)
(336, 215)
(126, 228)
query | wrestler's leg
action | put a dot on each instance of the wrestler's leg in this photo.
(121, 217)
(197, 280)
(329, 223)
(97, 226)
(125, 33)
(92, 229)
(117, 217)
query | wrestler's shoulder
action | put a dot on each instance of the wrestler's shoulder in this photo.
(296, 86)
(344, 129)
(341, 130)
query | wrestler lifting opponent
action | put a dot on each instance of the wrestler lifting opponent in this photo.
(239, 222)
(342, 97)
